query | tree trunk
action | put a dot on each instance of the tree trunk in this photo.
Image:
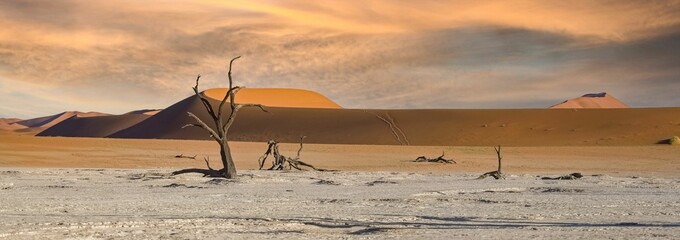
(229, 170)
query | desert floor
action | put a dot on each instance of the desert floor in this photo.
(116, 188)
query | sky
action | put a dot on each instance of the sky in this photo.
(121, 55)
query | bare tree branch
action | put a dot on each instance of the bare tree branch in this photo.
(205, 101)
(437, 159)
(237, 107)
(300, 149)
(231, 92)
(201, 124)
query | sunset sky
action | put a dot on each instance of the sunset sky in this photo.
(118, 56)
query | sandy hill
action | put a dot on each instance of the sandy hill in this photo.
(9, 124)
(276, 97)
(592, 100)
(49, 121)
(469, 127)
(9, 120)
(97, 126)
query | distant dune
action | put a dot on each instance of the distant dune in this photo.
(9, 120)
(49, 121)
(276, 97)
(98, 126)
(469, 127)
(592, 100)
(9, 124)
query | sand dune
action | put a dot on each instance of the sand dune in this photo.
(49, 121)
(9, 124)
(9, 120)
(276, 97)
(592, 100)
(515, 127)
(98, 126)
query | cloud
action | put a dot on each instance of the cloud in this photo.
(124, 55)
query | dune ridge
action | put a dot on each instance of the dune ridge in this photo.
(41, 123)
(48, 121)
(144, 111)
(592, 100)
(96, 126)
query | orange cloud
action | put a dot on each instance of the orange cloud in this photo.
(359, 53)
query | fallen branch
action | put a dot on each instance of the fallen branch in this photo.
(495, 174)
(210, 172)
(572, 176)
(189, 157)
(439, 159)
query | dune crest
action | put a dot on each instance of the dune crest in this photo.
(149, 112)
(592, 100)
(45, 122)
(96, 126)
(276, 97)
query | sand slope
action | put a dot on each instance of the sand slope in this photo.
(516, 127)
(592, 100)
(145, 111)
(98, 126)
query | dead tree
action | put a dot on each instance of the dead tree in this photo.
(495, 174)
(440, 159)
(280, 160)
(219, 133)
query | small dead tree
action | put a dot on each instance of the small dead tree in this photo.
(219, 133)
(495, 174)
(280, 160)
(440, 159)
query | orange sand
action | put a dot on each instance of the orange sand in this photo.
(59, 152)
(276, 97)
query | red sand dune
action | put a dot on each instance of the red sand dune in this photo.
(98, 126)
(49, 121)
(9, 120)
(592, 100)
(470, 127)
(276, 97)
(9, 124)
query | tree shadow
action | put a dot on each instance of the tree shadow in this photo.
(206, 172)
(434, 222)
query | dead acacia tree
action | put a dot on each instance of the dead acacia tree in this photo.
(495, 174)
(440, 159)
(219, 133)
(280, 160)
